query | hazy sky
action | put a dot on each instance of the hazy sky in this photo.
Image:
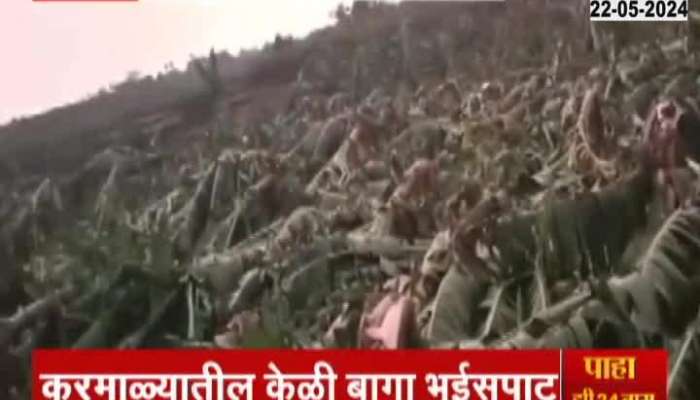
(53, 53)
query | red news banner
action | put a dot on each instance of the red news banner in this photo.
(353, 374)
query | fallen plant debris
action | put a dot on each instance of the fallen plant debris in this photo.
(507, 192)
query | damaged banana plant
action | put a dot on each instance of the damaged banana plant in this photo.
(517, 194)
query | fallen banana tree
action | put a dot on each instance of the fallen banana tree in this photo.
(659, 299)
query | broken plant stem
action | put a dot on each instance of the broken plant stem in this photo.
(25, 316)
(690, 336)
(190, 310)
(492, 312)
(562, 310)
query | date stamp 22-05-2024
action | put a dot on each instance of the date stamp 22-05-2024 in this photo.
(639, 10)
